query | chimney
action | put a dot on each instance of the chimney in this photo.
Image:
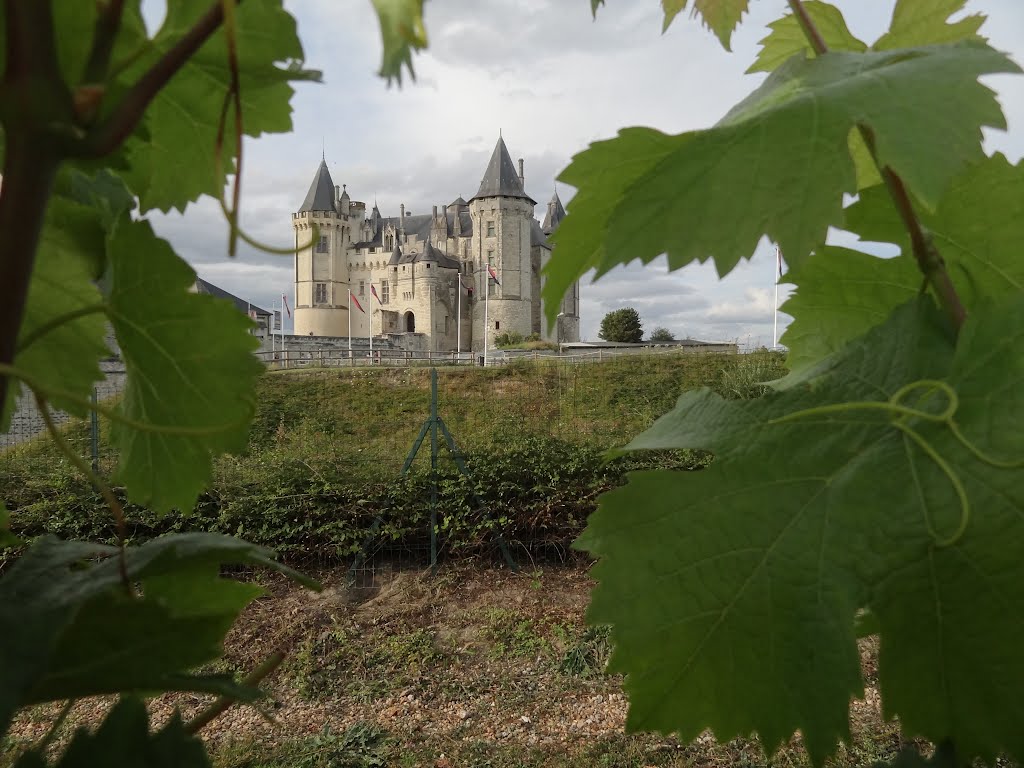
(521, 179)
(337, 193)
(401, 222)
(435, 213)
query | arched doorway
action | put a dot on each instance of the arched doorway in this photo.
(410, 322)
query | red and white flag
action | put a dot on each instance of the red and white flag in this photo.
(284, 298)
(373, 290)
(360, 306)
(490, 271)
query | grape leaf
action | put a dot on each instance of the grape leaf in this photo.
(715, 193)
(402, 32)
(74, 27)
(171, 156)
(865, 286)
(125, 733)
(733, 591)
(787, 36)
(65, 357)
(976, 228)
(926, 23)
(50, 609)
(189, 364)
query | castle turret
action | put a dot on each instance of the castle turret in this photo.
(567, 324)
(321, 271)
(502, 214)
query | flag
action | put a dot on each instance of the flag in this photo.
(360, 306)
(286, 308)
(467, 286)
(778, 259)
(277, 320)
(373, 290)
(490, 271)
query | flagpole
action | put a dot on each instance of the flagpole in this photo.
(487, 291)
(775, 312)
(458, 317)
(369, 319)
(351, 360)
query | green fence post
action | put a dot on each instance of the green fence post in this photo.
(94, 432)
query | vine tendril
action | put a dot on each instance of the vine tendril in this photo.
(900, 412)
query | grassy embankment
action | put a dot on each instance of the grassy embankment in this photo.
(327, 447)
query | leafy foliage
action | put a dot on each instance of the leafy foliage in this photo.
(662, 334)
(621, 325)
(877, 488)
(402, 29)
(645, 193)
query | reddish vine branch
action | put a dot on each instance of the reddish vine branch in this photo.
(928, 258)
(109, 135)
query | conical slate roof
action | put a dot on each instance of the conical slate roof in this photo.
(501, 178)
(554, 215)
(321, 192)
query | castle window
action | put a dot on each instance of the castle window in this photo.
(362, 287)
(490, 229)
(497, 325)
(321, 246)
(384, 292)
(320, 293)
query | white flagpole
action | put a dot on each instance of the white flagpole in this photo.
(369, 319)
(775, 313)
(350, 326)
(458, 320)
(487, 291)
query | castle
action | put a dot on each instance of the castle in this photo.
(423, 274)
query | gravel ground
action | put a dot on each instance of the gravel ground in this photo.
(473, 655)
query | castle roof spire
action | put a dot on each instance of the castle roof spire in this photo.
(501, 178)
(554, 215)
(321, 192)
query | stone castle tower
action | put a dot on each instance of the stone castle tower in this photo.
(427, 274)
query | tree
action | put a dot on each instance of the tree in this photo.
(622, 325)
(662, 334)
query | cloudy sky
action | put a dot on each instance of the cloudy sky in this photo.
(552, 80)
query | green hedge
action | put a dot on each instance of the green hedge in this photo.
(536, 490)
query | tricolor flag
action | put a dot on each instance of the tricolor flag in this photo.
(778, 259)
(490, 271)
(360, 306)
(373, 290)
(286, 308)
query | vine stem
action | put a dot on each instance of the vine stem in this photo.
(928, 258)
(122, 122)
(222, 704)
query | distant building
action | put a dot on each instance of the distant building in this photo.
(260, 316)
(426, 269)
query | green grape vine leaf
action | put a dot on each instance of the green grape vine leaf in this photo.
(402, 31)
(190, 371)
(868, 288)
(658, 201)
(787, 38)
(980, 251)
(927, 23)
(720, 16)
(125, 732)
(7, 539)
(63, 357)
(874, 485)
(171, 157)
(69, 631)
